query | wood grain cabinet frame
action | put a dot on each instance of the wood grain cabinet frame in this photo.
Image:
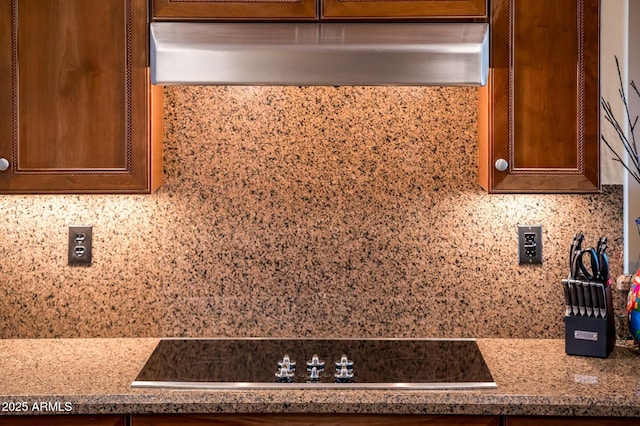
(75, 98)
(540, 110)
(467, 10)
(305, 10)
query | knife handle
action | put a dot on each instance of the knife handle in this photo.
(581, 305)
(586, 289)
(567, 298)
(604, 267)
(593, 288)
(602, 300)
(574, 296)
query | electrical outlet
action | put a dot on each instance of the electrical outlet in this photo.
(80, 238)
(529, 244)
(624, 282)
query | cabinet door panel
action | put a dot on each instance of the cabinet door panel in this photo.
(415, 9)
(542, 101)
(568, 421)
(537, 116)
(67, 83)
(63, 420)
(234, 9)
(78, 95)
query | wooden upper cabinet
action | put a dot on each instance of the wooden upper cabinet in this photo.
(75, 97)
(540, 111)
(467, 10)
(234, 9)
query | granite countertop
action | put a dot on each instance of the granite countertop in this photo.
(534, 377)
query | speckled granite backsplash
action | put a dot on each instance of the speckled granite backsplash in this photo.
(294, 211)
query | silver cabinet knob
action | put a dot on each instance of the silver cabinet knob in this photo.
(4, 164)
(501, 165)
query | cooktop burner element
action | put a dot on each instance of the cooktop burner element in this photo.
(316, 363)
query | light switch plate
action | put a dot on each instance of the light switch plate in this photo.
(80, 242)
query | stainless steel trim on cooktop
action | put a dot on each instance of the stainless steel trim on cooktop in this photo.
(296, 385)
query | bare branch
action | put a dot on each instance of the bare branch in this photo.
(630, 146)
(636, 176)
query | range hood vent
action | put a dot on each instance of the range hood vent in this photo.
(327, 54)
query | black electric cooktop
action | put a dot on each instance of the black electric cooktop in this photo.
(316, 363)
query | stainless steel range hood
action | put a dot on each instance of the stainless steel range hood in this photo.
(331, 54)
